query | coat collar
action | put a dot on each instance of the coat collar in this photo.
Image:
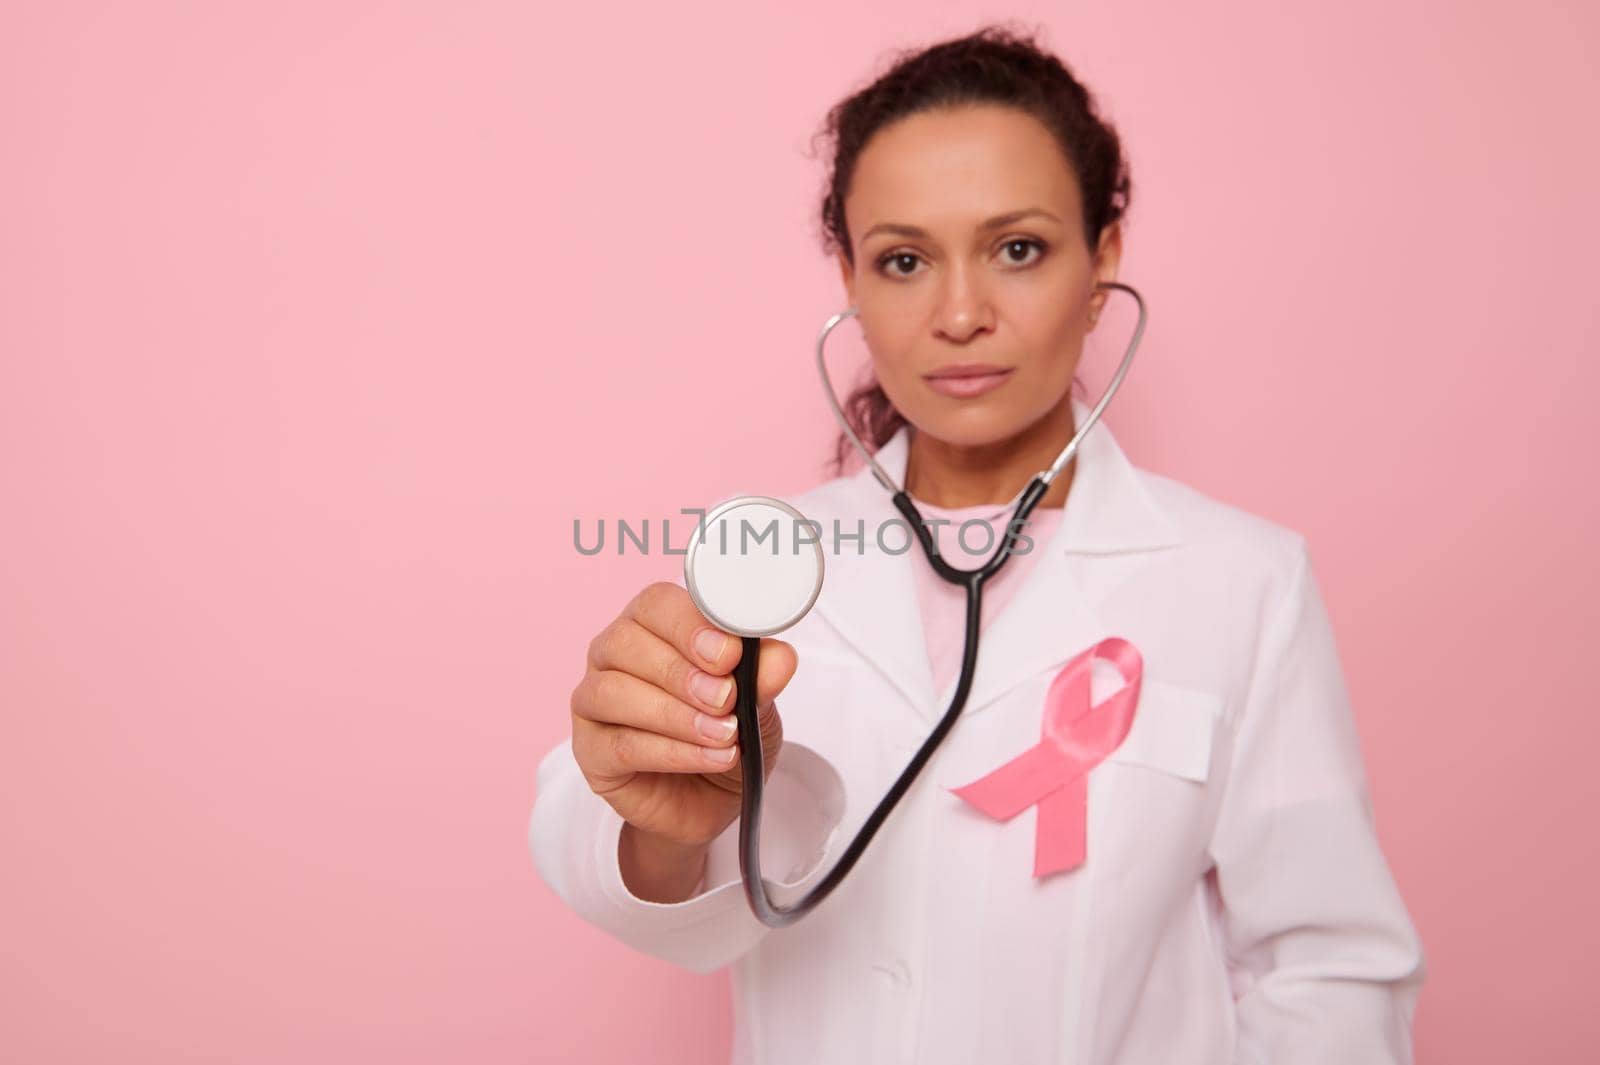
(869, 593)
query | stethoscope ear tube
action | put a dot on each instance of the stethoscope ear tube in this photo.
(1067, 453)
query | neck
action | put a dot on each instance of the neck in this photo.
(954, 476)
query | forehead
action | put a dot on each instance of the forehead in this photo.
(958, 167)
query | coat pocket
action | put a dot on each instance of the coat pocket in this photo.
(1152, 802)
(1172, 730)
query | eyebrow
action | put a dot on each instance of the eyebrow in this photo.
(996, 222)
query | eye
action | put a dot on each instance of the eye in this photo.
(1024, 243)
(891, 263)
(898, 258)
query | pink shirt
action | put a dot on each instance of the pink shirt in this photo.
(943, 603)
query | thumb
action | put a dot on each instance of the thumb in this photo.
(775, 668)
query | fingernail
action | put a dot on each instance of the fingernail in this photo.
(716, 728)
(723, 755)
(710, 643)
(711, 690)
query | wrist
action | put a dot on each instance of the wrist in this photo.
(659, 869)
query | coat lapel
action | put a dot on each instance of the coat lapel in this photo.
(870, 597)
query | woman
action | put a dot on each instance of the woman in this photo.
(1233, 904)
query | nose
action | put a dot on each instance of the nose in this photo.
(964, 308)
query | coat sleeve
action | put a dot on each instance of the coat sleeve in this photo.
(1325, 962)
(574, 835)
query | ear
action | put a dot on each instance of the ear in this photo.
(1106, 260)
(847, 274)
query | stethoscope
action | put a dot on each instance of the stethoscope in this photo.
(761, 592)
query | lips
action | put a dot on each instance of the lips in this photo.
(967, 369)
(967, 379)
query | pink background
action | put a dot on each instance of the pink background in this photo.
(322, 323)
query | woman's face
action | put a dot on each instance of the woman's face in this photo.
(969, 249)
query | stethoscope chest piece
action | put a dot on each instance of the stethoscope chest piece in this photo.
(754, 566)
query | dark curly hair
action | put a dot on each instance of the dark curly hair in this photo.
(993, 65)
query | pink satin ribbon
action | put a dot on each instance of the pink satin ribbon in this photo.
(1054, 772)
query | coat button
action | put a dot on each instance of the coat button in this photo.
(896, 974)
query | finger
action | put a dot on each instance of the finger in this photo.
(616, 751)
(666, 610)
(628, 646)
(613, 697)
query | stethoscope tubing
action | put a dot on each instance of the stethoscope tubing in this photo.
(745, 673)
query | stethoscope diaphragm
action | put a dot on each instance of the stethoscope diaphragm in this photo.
(754, 566)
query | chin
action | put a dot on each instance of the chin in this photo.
(972, 427)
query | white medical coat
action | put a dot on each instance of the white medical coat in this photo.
(1234, 908)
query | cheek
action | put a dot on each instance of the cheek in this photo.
(1046, 320)
(1053, 339)
(890, 349)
